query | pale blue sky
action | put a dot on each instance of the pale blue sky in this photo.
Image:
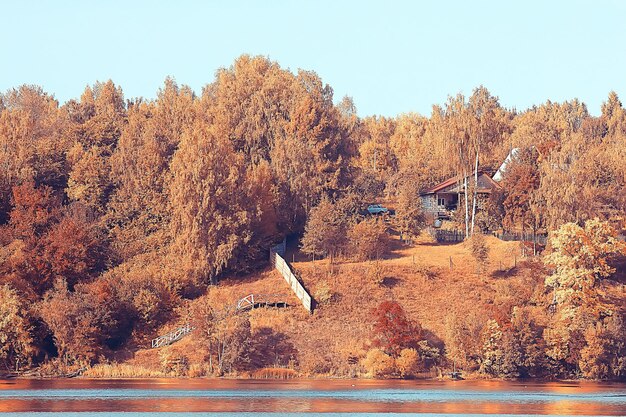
(390, 56)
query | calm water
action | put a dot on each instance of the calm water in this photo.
(175, 397)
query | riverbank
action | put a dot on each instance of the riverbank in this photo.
(440, 288)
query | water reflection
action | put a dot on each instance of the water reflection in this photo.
(304, 396)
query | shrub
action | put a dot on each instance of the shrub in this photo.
(173, 363)
(323, 293)
(407, 363)
(378, 363)
(368, 239)
(376, 273)
(480, 251)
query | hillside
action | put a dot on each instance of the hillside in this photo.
(334, 339)
(117, 216)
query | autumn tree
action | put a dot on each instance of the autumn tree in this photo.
(605, 349)
(96, 124)
(51, 242)
(479, 250)
(325, 230)
(32, 143)
(488, 126)
(290, 121)
(218, 204)
(473, 128)
(463, 339)
(310, 161)
(77, 323)
(525, 340)
(556, 130)
(520, 180)
(138, 213)
(614, 115)
(368, 239)
(226, 336)
(393, 330)
(34, 212)
(376, 157)
(492, 353)
(16, 340)
(410, 216)
(581, 257)
(378, 363)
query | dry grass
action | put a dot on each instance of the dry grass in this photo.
(275, 373)
(336, 337)
(121, 370)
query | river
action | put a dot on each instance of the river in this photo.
(175, 397)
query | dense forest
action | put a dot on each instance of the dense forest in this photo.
(115, 212)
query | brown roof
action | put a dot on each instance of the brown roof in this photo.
(458, 179)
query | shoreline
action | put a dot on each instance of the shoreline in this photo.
(310, 378)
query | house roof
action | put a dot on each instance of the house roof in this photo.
(484, 177)
(500, 172)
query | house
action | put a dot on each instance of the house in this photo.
(443, 199)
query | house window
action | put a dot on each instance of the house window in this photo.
(441, 201)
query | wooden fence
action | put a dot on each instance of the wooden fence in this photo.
(447, 236)
(276, 258)
(453, 236)
(522, 237)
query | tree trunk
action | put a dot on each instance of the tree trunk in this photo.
(534, 238)
(466, 204)
(475, 193)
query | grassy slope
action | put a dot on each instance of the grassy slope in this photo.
(417, 276)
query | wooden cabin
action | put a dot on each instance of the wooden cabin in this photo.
(443, 199)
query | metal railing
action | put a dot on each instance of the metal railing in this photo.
(172, 336)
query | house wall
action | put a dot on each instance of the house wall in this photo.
(448, 199)
(429, 203)
(485, 182)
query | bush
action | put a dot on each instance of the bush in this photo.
(480, 251)
(376, 273)
(368, 239)
(407, 363)
(378, 363)
(323, 293)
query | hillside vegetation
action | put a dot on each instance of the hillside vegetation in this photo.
(121, 219)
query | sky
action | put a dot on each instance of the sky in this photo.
(391, 57)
